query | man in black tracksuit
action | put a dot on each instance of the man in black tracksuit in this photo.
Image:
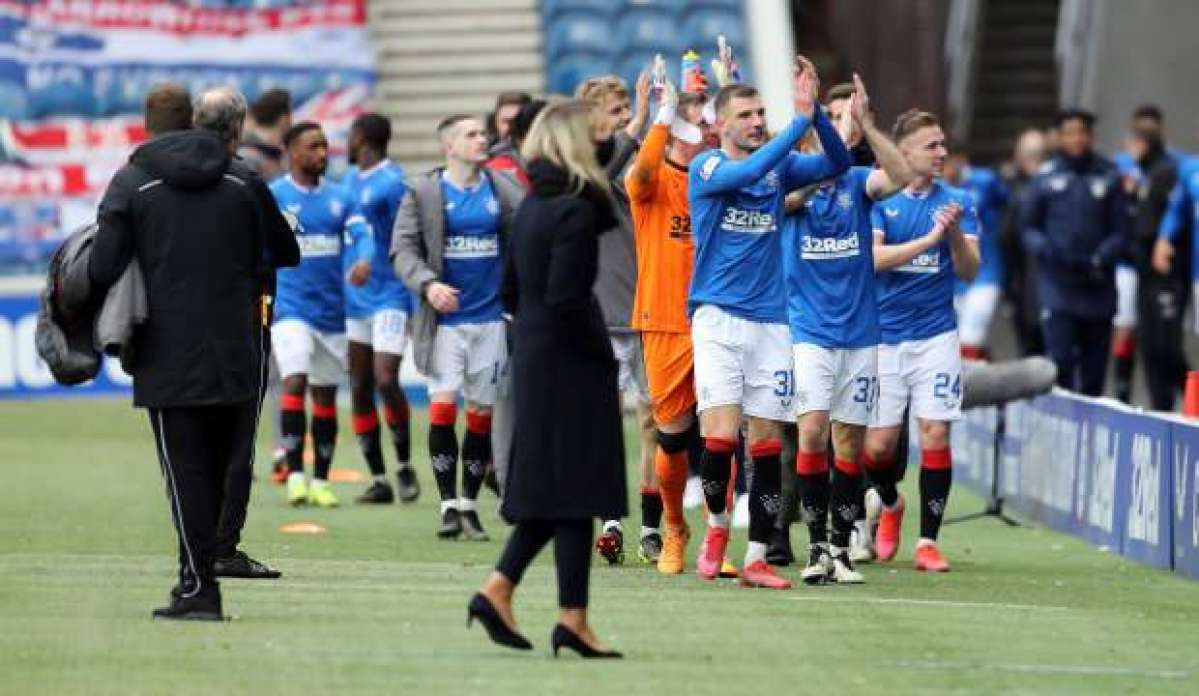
(197, 231)
(1075, 220)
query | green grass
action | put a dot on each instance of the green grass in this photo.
(377, 605)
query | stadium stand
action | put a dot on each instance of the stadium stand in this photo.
(622, 36)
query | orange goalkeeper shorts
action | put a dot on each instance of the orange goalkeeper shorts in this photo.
(670, 371)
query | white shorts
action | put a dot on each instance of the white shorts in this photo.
(470, 357)
(383, 331)
(631, 363)
(976, 310)
(743, 363)
(926, 372)
(301, 350)
(842, 381)
(1126, 298)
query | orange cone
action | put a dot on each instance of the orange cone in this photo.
(1190, 399)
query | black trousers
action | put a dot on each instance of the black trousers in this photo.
(1160, 303)
(196, 447)
(240, 475)
(1080, 348)
(572, 555)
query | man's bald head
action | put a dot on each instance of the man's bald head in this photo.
(221, 110)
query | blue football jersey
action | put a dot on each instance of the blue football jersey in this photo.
(328, 227)
(735, 210)
(377, 192)
(915, 300)
(990, 200)
(472, 251)
(829, 265)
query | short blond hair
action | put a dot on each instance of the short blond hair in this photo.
(561, 135)
(596, 89)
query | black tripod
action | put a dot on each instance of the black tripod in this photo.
(994, 507)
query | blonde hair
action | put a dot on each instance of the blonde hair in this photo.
(561, 135)
(596, 89)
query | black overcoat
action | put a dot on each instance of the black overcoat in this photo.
(568, 447)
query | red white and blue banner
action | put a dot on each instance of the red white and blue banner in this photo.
(74, 73)
(1123, 479)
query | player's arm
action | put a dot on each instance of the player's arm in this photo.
(641, 108)
(894, 172)
(801, 170)
(643, 173)
(360, 245)
(731, 175)
(112, 248)
(1172, 224)
(963, 244)
(889, 256)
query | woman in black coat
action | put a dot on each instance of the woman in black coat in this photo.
(567, 464)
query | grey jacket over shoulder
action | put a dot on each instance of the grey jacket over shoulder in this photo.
(418, 245)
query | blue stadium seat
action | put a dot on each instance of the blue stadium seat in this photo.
(671, 6)
(647, 30)
(578, 33)
(566, 73)
(701, 28)
(737, 6)
(551, 9)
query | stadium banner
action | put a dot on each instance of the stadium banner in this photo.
(73, 76)
(23, 374)
(1185, 497)
(972, 441)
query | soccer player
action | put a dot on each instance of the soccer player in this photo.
(377, 314)
(309, 331)
(977, 300)
(833, 312)
(617, 123)
(923, 237)
(738, 303)
(450, 231)
(657, 188)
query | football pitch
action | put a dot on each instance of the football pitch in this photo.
(377, 605)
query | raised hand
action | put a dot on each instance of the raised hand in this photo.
(806, 86)
(859, 104)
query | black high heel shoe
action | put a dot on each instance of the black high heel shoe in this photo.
(563, 637)
(482, 609)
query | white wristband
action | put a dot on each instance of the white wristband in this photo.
(665, 115)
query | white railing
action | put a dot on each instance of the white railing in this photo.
(961, 48)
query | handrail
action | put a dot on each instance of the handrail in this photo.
(961, 47)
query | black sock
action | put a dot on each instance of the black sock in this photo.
(1123, 385)
(715, 468)
(443, 455)
(292, 428)
(651, 508)
(324, 439)
(366, 429)
(695, 449)
(846, 487)
(934, 494)
(813, 484)
(765, 486)
(475, 446)
(882, 477)
(401, 436)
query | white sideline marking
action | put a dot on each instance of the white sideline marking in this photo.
(1046, 669)
(927, 603)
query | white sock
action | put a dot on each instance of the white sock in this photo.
(756, 551)
(925, 541)
(318, 483)
(862, 526)
(718, 520)
(835, 551)
(466, 505)
(613, 524)
(295, 475)
(646, 531)
(451, 504)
